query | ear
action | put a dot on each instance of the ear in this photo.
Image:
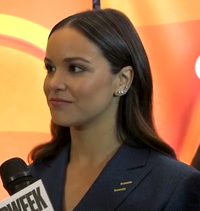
(124, 80)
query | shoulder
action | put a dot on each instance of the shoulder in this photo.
(180, 181)
(168, 165)
(174, 183)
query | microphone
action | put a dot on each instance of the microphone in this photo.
(15, 175)
(26, 194)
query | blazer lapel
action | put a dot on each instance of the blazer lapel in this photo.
(119, 178)
(53, 177)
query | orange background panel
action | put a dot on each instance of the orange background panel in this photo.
(152, 12)
(43, 12)
(193, 133)
(24, 104)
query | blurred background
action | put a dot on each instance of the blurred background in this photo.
(170, 31)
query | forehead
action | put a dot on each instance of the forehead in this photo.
(68, 42)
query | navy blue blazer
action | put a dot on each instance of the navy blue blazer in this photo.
(133, 180)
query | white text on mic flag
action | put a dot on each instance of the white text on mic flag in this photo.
(31, 198)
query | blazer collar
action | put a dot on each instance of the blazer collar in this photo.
(53, 176)
(119, 178)
(122, 174)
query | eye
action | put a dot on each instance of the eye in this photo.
(75, 69)
(49, 68)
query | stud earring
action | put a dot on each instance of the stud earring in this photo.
(122, 92)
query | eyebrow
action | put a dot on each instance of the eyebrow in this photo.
(69, 59)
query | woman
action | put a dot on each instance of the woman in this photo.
(105, 154)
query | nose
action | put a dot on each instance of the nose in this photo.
(57, 81)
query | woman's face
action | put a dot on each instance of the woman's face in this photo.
(79, 85)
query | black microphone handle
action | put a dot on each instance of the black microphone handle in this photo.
(14, 189)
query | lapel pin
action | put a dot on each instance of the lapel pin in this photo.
(119, 189)
(126, 183)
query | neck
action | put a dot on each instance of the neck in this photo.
(93, 144)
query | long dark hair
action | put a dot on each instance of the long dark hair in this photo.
(120, 44)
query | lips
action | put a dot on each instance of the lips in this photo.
(58, 101)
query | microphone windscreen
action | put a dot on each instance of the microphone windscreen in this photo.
(15, 175)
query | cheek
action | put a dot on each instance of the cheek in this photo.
(93, 90)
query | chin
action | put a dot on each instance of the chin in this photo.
(77, 121)
(65, 122)
(75, 124)
(61, 119)
(62, 123)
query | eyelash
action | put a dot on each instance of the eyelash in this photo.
(47, 67)
(71, 68)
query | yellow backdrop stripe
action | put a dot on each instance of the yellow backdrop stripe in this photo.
(23, 29)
